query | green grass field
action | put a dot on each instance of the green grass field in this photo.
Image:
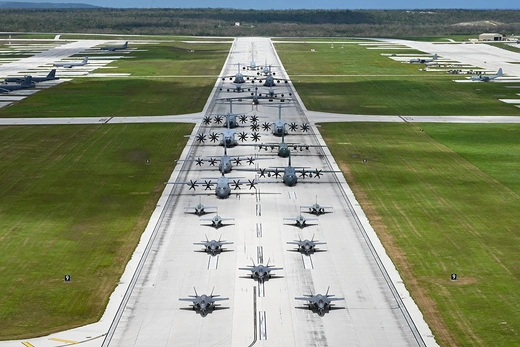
(75, 200)
(369, 83)
(153, 88)
(444, 200)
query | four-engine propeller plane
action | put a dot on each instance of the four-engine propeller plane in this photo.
(204, 303)
(484, 78)
(222, 186)
(320, 303)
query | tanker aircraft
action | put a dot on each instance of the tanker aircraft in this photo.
(72, 64)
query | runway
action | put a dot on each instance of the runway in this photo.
(145, 309)
(373, 313)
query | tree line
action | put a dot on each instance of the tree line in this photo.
(288, 23)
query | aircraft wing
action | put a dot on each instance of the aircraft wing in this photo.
(200, 243)
(225, 219)
(219, 299)
(274, 268)
(305, 299)
(335, 299)
(291, 218)
(293, 243)
(186, 299)
(226, 242)
(312, 206)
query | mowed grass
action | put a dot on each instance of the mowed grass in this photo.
(75, 200)
(372, 84)
(152, 89)
(175, 58)
(444, 200)
(115, 97)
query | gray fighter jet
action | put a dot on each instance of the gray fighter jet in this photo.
(200, 209)
(320, 303)
(115, 48)
(71, 64)
(261, 272)
(306, 246)
(217, 221)
(222, 186)
(300, 221)
(316, 208)
(213, 247)
(204, 303)
(50, 77)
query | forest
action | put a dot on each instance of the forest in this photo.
(272, 23)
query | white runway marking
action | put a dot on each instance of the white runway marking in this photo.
(307, 262)
(212, 262)
(258, 229)
(259, 254)
(262, 325)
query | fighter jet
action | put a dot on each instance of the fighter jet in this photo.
(279, 128)
(200, 209)
(216, 221)
(222, 186)
(316, 208)
(320, 303)
(26, 83)
(114, 48)
(306, 246)
(423, 60)
(213, 247)
(50, 76)
(204, 303)
(261, 272)
(484, 78)
(72, 64)
(300, 221)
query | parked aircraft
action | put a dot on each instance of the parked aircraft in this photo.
(279, 125)
(237, 89)
(228, 137)
(306, 246)
(213, 247)
(252, 65)
(255, 97)
(231, 119)
(222, 186)
(26, 83)
(204, 303)
(284, 148)
(261, 272)
(423, 60)
(115, 48)
(316, 208)
(72, 64)
(269, 81)
(200, 209)
(50, 76)
(320, 303)
(238, 77)
(300, 221)
(216, 221)
(289, 173)
(485, 78)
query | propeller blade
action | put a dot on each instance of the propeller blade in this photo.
(262, 172)
(256, 137)
(305, 127)
(236, 184)
(206, 120)
(317, 173)
(213, 137)
(199, 161)
(218, 119)
(254, 118)
(242, 136)
(237, 161)
(212, 161)
(250, 160)
(293, 126)
(276, 173)
(208, 184)
(201, 138)
(243, 118)
(266, 126)
(251, 184)
(255, 127)
(193, 184)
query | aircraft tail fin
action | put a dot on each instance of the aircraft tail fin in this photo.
(327, 293)
(253, 262)
(499, 73)
(211, 295)
(52, 74)
(195, 290)
(435, 56)
(125, 45)
(27, 81)
(85, 60)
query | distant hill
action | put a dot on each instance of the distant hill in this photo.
(42, 5)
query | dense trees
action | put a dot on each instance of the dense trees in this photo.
(221, 22)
